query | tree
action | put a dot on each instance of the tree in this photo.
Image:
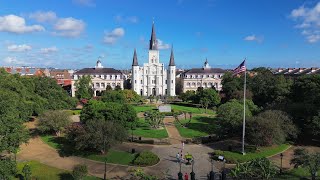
(131, 96)
(54, 121)
(269, 89)
(108, 88)
(231, 117)
(205, 103)
(117, 88)
(314, 125)
(260, 168)
(101, 134)
(84, 87)
(187, 96)
(8, 168)
(231, 85)
(154, 118)
(12, 131)
(307, 160)
(27, 172)
(113, 96)
(270, 127)
(122, 114)
(79, 171)
(179, 86)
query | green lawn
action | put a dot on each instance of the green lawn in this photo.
(115, 157)
(194, 110)
(74, 111)
(199, 126)
(233, 157)
(44, 172)
(296, 174)
(143, 108)
(143, 129)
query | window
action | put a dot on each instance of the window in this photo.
(171, 81)
(193, 84)
(166, 81)
(102, 85)
(135, 81)
(141, 82)
(97, 85)
(135, 71)
(188, 84)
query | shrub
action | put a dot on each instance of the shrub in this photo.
(27, 172)
(146, 158)
(79, 171)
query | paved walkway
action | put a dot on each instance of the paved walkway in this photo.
(174, 135)
(168, 166)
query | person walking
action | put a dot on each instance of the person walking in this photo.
(186, 177)
(182, 144)
(178, 157)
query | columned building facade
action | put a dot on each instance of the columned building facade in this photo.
(152, 78)
(101, 78)
(205, 77)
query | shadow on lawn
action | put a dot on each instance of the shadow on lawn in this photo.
(203, 124)
(65, 148)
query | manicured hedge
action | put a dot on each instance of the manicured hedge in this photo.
(146, 158)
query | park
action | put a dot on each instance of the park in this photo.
(122, 135)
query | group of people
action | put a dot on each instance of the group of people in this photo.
(181, 159)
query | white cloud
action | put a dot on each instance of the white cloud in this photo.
(89, 3)
(41, 16)
(162, 45)
(13, 61)
(113, 36)
(253, 37)
(49, 50)
(19, 48)
(15, 24)
(69, 27)
(308, 20)
(129, 19)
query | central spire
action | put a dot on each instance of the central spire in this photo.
(153, 41)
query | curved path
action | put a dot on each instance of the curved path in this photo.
(168, 167)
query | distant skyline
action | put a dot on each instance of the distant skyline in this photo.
(75, 33)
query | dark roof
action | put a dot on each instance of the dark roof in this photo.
(98, 71)
(205, 70)
(171, 63)
(153, 40)
(135, 59)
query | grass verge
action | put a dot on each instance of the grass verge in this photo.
(234, 157)
(44, 172)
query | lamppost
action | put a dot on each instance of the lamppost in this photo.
(192, 174)
(211, 176)
(131, 132)
(281, 156)
(105, 161)
(180, 176)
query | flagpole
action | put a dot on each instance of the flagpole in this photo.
(244, 111)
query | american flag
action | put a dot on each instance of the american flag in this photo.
(241, 68)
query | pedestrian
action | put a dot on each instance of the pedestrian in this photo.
(186, 177)
(178, 157)
(182, 144)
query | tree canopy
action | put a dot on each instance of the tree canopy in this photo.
(84, 87)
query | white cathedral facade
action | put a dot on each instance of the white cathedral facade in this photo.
(152, 79)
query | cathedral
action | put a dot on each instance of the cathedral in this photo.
(152, 78)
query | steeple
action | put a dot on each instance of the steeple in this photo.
(206, 64)
(171, 63)
(135, 59)
(153, 40)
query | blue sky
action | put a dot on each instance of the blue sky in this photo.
(74, 33)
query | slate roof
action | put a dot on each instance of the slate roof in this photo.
(171, 63)
(98, 71)
(135, 59)
(205, 71)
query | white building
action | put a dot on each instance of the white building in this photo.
(101, 78)
(153, 78)
(205, 77)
